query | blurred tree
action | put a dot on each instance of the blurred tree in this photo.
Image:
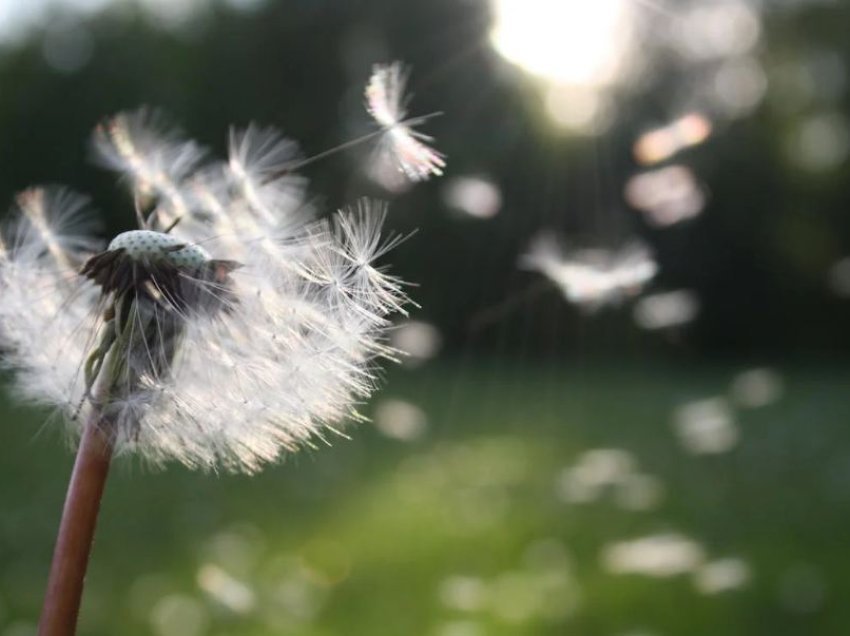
(758, 256)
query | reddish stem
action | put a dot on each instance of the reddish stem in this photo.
(76, 532)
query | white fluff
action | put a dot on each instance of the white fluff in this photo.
(401, 148)
(291, 359)
(592, 278)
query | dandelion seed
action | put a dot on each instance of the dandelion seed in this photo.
(592, 278)
(400, 146)
(151, 153)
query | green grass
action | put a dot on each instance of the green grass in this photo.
(462, 532)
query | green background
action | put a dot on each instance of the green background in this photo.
(463, 532)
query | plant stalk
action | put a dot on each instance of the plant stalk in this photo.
(76, 531)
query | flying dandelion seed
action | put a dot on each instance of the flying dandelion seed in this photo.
(401, 149)
(593, 278)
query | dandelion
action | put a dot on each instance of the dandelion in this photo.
(592, 278)
(229, 329)
(400, 146)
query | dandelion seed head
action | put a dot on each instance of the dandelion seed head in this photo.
(230, 329)
(146, 245)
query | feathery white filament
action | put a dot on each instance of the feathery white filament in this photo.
(152, 154)
(400, 147)
(46, 314)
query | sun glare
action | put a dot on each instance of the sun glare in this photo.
(573, 42)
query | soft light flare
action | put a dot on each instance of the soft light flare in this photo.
(564, 41)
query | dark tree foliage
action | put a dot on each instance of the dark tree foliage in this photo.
(758, 256)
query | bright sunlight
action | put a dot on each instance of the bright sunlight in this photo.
(564, 41)
(577, 48)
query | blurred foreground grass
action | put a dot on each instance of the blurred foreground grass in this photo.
(467, 530)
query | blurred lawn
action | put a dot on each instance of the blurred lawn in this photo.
(462, 532)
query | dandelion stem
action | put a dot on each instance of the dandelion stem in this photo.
(76, 531)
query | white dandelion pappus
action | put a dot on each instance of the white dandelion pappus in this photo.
(222, 334)
(152, 154)
(400, 147)
(43, 303)
(592, 278)
(258, 158)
